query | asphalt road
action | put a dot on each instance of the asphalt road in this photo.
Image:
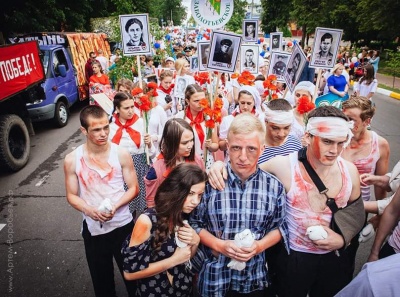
(41, 249)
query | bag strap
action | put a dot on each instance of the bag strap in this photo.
(302, 156)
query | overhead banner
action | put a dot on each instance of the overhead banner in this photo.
(20, 68)
(212, 14)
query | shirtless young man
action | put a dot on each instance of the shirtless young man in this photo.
(321, 272)
(94, 171)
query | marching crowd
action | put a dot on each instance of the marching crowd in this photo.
(194, 204)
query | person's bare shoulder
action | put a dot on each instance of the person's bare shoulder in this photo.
(123, 155)
(383, 145)
(69, 161)
(355, 180)
(280, 167)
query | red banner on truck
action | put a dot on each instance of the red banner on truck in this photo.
(20, 68)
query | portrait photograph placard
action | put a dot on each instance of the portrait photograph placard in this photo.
(135, 34)
(194, 63)
(250, 30)
(275, 41)
(224, 51)
(326, 46)
(180, 87)
(294, 67)
(203, 51)
(249, 56)
(278, 64)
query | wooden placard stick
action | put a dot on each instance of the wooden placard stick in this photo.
(319, 76)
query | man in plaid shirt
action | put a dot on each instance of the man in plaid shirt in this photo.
(252, 199)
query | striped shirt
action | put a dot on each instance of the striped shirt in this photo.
(257, 204)
(292, 144)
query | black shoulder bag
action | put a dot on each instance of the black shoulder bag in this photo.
(347, 221)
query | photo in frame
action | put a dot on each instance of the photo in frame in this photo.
(249, 57)
(275, 41)
(180, 87)
(203, 50)
(135, 34)
(278, 64)
(250, 30)
(224, 51)
(294, 67)
(194, 63)
(326, 46)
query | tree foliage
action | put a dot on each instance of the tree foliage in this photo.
(236, 21)
(275, 14)
(25, 16)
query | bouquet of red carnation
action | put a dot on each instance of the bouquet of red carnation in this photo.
(246, 78)
(152, 86)
(145, 105)
(136, 91)
(304, 105)
(202, 78)
(270, 87)
(212, 116)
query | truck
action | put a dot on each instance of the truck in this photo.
(62, 58)
(21, 79)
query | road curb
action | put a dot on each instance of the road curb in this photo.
(389, 93)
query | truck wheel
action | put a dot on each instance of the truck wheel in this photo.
(61, 114)
(15, 144)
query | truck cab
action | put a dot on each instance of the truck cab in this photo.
(60, 87)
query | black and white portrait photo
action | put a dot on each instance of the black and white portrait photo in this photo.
(180, 87)
(326, 46)
(224, 51)
(249, 55)
(250, 30)
(203, 50)
(294, 67)
(135, 34)
(275, 43)
(194, 63)
(278, 64)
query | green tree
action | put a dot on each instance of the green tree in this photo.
(275, 14)
(236, 21)
(167, 9)
(379, 16)
(393, 63)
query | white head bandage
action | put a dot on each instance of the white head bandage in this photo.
(305, 85)
(330, 127)
(280, 117)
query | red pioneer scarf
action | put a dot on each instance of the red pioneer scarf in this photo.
(167, 91)
(135, 135)
(197, 124)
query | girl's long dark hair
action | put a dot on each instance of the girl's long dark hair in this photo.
(171, 139)
(170, 197)
(369, 76)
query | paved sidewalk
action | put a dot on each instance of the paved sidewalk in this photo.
(388, 81)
